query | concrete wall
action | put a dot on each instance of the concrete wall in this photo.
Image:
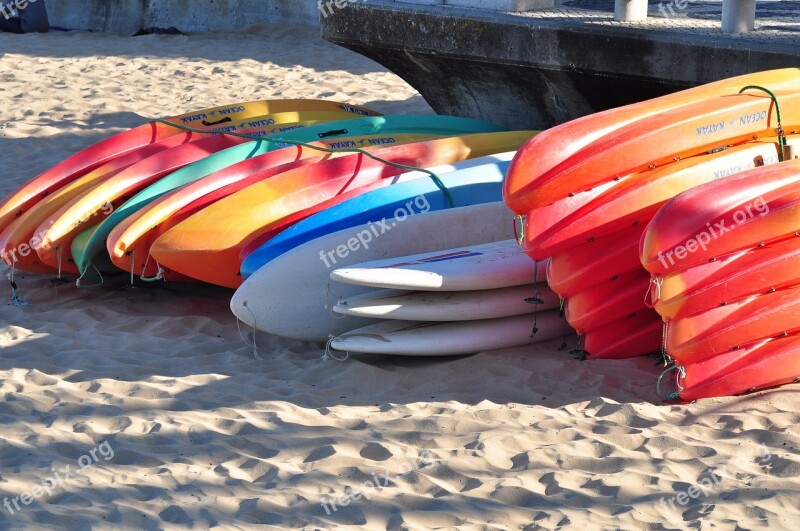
(130, 16)
(536, 72)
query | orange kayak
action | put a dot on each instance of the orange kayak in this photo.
(565, 142)
(636, 199)
(135, 235)
(691, 130)
(206, 246)
(736, 325)
(597, 262)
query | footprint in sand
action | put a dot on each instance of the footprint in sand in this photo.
(471, 484)
(520, 461)
(375, 452)
(175, 515)
(320, 453)
(40, 379)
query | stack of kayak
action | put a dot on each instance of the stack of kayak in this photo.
(725, 260)
(585, 191)
(391, 234)
(598, 196)
(452, 301)
(189, 197)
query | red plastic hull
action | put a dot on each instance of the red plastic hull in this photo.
(761, 366)
(545, 152)
(630, 337)
(720, 218)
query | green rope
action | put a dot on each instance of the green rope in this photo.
(277, 140)
(674, 395)
(519, 229)
(781, 133)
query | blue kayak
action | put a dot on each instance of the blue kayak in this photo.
(479, 181)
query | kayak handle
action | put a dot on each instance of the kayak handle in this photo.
(222, 121)
(335, 132)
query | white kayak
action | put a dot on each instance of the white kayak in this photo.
(467, 268)
(450, 305)
(418, 338)
(292, 296)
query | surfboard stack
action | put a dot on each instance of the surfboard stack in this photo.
(586, 190)
(448, 302)
(724, 259)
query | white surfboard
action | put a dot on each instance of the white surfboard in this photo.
(450, 305)
(416, 338)
(468, 268)
(292, 296)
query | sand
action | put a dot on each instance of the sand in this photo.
(151, 394)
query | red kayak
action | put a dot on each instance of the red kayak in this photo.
(635, 200)
(721, 218)
(546, 151)
(632, 336)
(595, 263)
(608, 302)
(733, 326)
(731, 279)
(761, 366)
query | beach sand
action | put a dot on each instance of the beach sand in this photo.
(203, 434)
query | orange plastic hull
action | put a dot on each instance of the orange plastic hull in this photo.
(206, 246)
(595, 263)
(563, 146)
(136, 235)
(713, 284)
(635, 200)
